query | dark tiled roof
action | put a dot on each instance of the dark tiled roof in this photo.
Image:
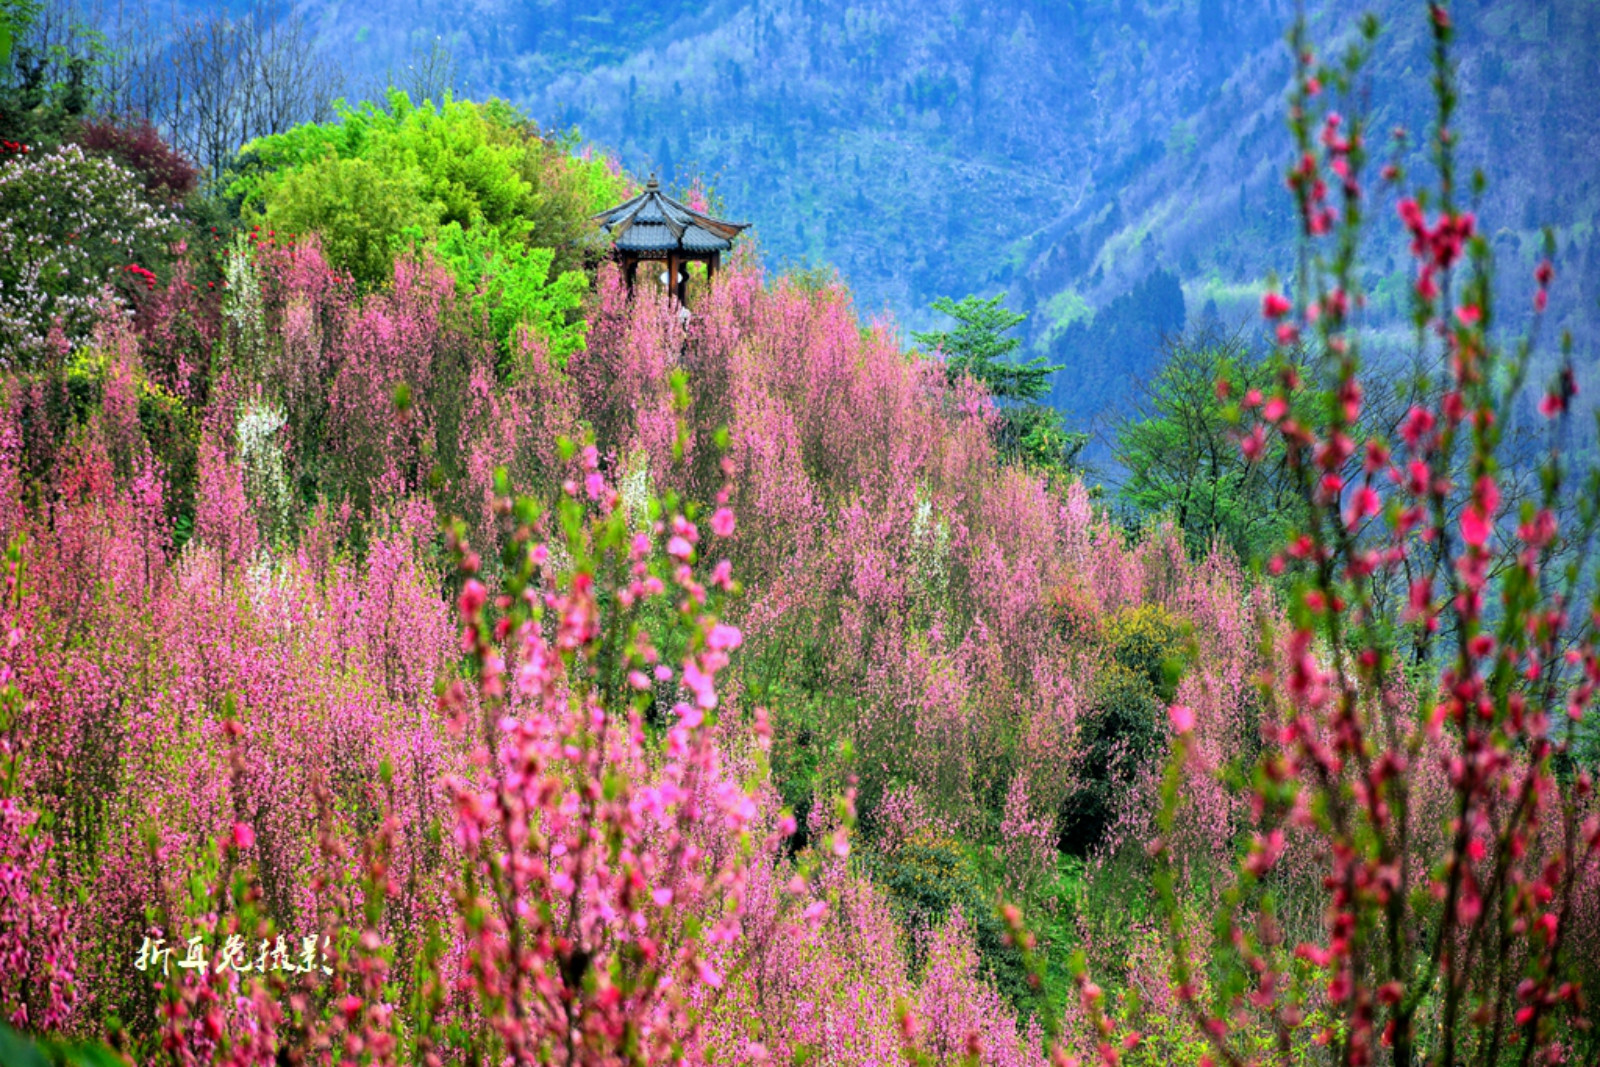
(648, 237)
(696, 239)
(654, 222)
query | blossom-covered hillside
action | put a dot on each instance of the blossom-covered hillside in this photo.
(420, 648)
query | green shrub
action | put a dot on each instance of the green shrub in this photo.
(512, 284)
(363, 213)
(927, 875)
(1148, 640)
(505, 207)
(21, 1050)
(1122, 733)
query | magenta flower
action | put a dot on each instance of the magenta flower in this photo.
(1181, 717)
(1275, 305)
(471, 601)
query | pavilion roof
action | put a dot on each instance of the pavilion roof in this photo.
(654, 222)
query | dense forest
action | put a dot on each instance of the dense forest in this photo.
(423, 646)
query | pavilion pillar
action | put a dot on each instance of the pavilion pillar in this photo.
(672, 274)
(711, 267)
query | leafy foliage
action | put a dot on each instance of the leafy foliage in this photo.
(515, 288)
(929, 875)
(476, 165)
(1149, 641)
(1181, 450)
(504, 207)
(978, 347)
(1120, 737)
(19, 1050)
(362, 213)
(1027, 431)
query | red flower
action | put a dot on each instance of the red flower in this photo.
(1363, 505)
(473, 596)
(1475, 527)
(1425, 285)
(1411, 215)
(1253, 444)
(1275, 306)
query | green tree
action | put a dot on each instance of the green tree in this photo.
(505, 207)
(1036, 435)
(481, 166)
(515, 288)
(1028, 432)
(362, 212)
(979, 348)
(46, 85)
(1121, 734)
(1182, 454)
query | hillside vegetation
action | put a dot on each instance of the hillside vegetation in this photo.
(1062, 152)
(421, 649)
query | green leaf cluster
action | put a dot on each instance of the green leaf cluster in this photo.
(1149, 641)
(514, 287)
(1181, 451)
(505, 207)
(928, 875)
(978, 347)
(1120, 733)
(1036, 436)
(1028, 432)
(1124, 730)
(18, 1050)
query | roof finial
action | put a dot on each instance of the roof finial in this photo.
(654, 185)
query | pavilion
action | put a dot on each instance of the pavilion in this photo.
(653, 226)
